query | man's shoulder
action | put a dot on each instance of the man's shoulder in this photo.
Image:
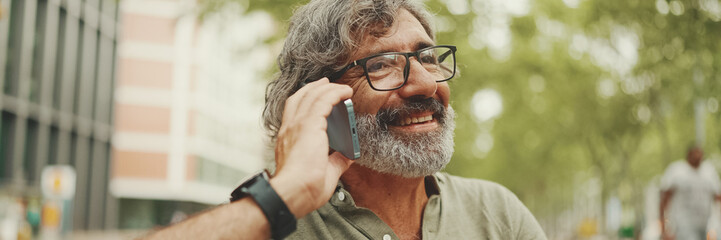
(472, 188)
(707, 165)
(469, 183)
(676, 168)
(680, 163)
(488, 204)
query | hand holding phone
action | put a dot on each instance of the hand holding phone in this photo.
(342, 132)
(301, 150)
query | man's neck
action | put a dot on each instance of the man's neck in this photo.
(398, 201)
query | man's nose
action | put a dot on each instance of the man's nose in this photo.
(420, 84)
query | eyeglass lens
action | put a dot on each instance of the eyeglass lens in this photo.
(386, 71)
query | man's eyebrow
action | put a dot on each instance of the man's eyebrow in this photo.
(422, 45)
(419, 45)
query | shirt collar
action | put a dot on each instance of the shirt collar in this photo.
(432, 184)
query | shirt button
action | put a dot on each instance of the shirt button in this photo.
(341, 196)
(386, 237)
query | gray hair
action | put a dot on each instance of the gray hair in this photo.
(321, 37)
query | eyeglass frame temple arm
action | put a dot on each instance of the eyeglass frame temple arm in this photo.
(333, 77)
(337, 75)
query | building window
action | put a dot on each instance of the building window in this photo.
(79, 67)
(73, 147)
(215, 173)
(59, 58)
(14, 42)
(53, 146)
(7, 132)
(38, 50)
(30, 157)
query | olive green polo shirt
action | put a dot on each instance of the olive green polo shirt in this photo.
(463, 209)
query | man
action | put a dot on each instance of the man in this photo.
(382, 55)
(690, 187)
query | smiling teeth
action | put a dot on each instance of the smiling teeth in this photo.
(407, 121)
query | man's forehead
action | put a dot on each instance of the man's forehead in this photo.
(406, 34)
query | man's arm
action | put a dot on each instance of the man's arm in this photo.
(305, 174)
(718, 198)
(665, 199)
(242, 219)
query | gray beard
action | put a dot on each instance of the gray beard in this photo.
(406, 155)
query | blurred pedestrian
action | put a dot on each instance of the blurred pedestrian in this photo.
(690, 188)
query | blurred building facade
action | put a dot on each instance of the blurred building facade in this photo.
(188, 102)
(57, 71)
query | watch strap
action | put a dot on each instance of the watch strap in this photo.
(282, 221)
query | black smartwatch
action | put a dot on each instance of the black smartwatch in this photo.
(282, 221)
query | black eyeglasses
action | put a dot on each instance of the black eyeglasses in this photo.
(389, 71)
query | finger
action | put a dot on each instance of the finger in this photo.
(321, 100)
(309, 87)
(291, 104)
(313, 90)
(319, 92)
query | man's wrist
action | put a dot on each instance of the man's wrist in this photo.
(282, 221)
(295, 198)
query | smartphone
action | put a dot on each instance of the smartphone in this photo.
(342, 132)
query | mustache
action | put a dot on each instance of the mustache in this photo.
(386, 116)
